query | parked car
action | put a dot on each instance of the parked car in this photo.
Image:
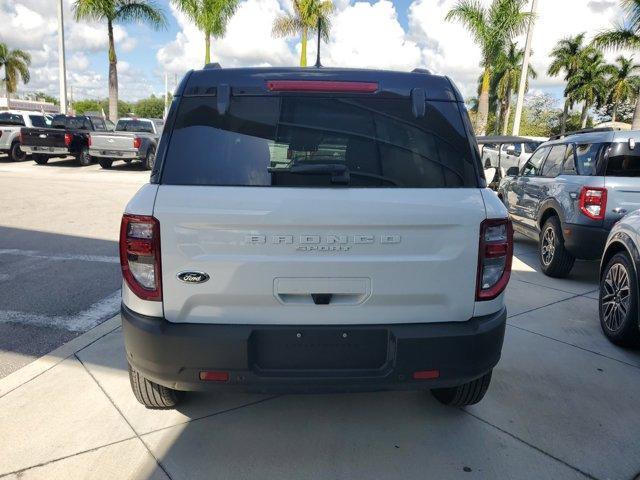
(618, 299)
(501, 152)
(133, 139)
(11, 121)
(67, 135)
(571, 192)
(330, 231)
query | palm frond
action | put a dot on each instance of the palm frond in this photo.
(617, 38)
(145, 11)
(472, 15)
(96, 10)
(286, 25)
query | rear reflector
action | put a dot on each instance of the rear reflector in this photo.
(140, 255)
(494, 258)
(212, 376)
(321, 86)
(426, 374)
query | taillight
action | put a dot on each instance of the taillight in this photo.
(593, 202)
(67, 139)
(89, 140)
(137, 142)
(321, 86)
(140, 255)
(494, 258)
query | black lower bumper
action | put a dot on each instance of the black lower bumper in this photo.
(585, 242)
(290, 358)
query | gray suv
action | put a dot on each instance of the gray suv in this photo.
(570, 193)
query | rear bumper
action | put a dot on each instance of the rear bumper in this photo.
(114, 154)
(174, 354)
(585, 242)
(49, 151)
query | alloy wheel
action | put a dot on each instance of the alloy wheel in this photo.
(548, 246)
(616, 296)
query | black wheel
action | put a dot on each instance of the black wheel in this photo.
(150, 159)
(466, 394)
(84, 159)
(105, 162)
(150, 394)
(555, 260)
(40, 159)
(618, 301)
(16, 154)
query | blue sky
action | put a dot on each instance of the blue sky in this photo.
(398, 34)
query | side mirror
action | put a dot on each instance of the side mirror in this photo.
(512, 172)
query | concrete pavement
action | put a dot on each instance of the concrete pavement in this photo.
(563, 404)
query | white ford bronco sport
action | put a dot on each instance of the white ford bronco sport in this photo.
(314, 230)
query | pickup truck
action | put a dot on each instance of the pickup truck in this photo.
(133, 139)
(68, 135)
(11, 122)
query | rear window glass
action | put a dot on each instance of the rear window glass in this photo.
(38, 121)
(318, 142)
(134, 126)
(623, 161)
(11, 119)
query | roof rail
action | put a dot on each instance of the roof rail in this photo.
(421, 70)
(584, 130)
(210, 66)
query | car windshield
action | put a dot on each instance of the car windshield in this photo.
(268, 141)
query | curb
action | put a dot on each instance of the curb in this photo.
(38, 367)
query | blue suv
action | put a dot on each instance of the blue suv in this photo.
(570, 193)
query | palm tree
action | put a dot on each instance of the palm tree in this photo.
(210, 16)
(118, 11)
(16, 64)
(623, 84)
(567, 56)
(307, 15)
(589, 84)
(508, 71)
(492, 28)
(625, 36)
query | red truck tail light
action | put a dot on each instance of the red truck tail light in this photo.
(67, 139)
(321, 86)
(494, 258)
(89, 140)
(140, 255)
(137, 142)
(593, 202)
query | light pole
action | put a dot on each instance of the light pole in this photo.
(524, 72)
(61, 61)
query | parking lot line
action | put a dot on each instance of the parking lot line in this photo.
(59, 256)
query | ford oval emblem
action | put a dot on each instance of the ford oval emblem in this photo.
(193, 277)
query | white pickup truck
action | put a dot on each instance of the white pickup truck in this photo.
(11, 121)
(132, 139)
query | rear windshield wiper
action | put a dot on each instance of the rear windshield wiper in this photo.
(339, 173)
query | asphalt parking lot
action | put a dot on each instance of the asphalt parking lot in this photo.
(59, 267)
(563, 402)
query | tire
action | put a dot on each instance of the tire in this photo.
(105, 162)
(150, 394)
(462, 395)
(618, 302)
(555, 260)
(16, 154)
(150, 159)
(83, 158)
(40, 159)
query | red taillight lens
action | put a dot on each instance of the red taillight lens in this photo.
(137, 142)
(321, 86)
(593, 202)
(89, 140)
(426, 374)
(140, 255)
(494, 258)
(67, 139)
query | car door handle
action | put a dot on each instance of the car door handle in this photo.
(620, 211)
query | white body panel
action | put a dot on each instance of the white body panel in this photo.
(387, 255)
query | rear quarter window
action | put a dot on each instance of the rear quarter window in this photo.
(261, 140)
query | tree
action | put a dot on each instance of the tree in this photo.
(492, 28)
(508, 71)
(625, 36)
(152, 107)
(307, 14)
(589, 83)
(210, 16)
(16, 66)
(623, 84)
(118, 11)
(567, 56)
